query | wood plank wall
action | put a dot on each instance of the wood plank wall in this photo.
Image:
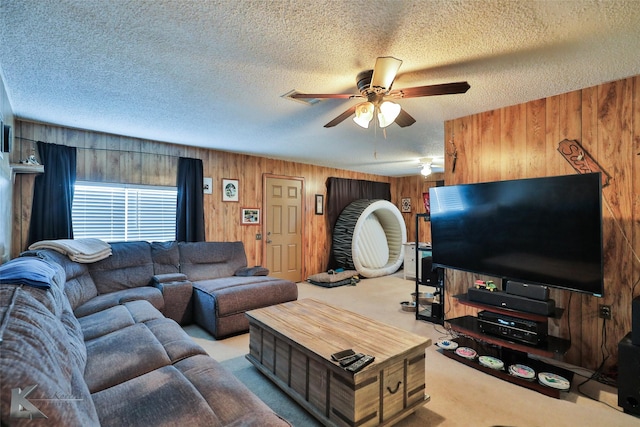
(521, 142)
(111, 158)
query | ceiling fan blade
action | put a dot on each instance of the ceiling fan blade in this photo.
(342, 117)
(384, 72)
(326, 95)
(440, 89)
(404, 119)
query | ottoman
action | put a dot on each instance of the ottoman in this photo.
(219, 304)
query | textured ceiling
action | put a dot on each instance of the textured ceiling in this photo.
(212, 73)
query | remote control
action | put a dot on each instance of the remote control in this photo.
(351, 359)
(342, 354)
(360, 363)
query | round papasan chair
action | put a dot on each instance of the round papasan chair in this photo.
(368, 237)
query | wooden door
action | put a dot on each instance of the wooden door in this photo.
(283, 227)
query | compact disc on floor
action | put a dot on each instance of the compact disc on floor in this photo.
(554, 381)
(466, 352)
(491, 362)
(447, 345)
(522, 371)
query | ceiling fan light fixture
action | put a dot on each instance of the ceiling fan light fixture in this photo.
(364, 114)
(387, 113)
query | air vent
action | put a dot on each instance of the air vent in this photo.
(307, 101)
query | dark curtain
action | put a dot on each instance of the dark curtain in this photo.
(190, 205)
(53, 194)
(341, 192)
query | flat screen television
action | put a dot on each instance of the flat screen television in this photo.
(544, 231)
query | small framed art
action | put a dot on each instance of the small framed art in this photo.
(207, 185)
(250, 216)
(229, 190)
(427, 203)
(319, 204)
(406, 204)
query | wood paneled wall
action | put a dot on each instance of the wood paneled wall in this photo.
(412, 187)
(521, 141)
(112, 158)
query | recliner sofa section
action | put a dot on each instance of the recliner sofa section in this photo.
(102, 345)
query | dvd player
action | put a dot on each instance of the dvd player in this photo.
(512, 328)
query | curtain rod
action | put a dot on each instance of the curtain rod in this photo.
(101, 149)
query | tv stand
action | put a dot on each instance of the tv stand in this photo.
(510, 352)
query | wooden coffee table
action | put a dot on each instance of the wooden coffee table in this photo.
(292, 343)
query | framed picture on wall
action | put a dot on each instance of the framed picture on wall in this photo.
(207, 185)
(250, 216)
(406, 204)
(230, 190)
(319, 204)
(427, 202)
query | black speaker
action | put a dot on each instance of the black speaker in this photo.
(513, 302)
(635, 321)
(629, 376)
(539, 292)
(430, 275)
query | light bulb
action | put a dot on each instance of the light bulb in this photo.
(387, 113)
(364, 114)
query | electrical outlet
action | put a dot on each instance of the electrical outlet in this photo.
(604, 311)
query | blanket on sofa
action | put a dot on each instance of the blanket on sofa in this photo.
(78, 250)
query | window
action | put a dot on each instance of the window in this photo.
(121, 212)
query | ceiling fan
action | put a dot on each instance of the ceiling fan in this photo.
(375, 86)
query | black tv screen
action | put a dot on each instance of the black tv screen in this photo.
(545, 231)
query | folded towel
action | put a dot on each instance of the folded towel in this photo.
(29, 271)
(78, 250)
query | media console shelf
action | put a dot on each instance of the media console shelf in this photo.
(509, 357)
(509, 352)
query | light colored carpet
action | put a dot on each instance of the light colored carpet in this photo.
(460, 395)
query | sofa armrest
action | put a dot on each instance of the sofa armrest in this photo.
(252, 271)
(177, 299)
(169, 278)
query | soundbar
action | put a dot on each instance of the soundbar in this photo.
(539, 292)
(512, 302)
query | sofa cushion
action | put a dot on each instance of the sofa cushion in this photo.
(166, 257)
(122, 355)
(118, 317)
(210, 260)
(38, 350)
(225, 392)
(176, 342)
(163, 397)
(79, 286)
(129, 266)
(106, 321)
(102, 302)
(238, 294)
